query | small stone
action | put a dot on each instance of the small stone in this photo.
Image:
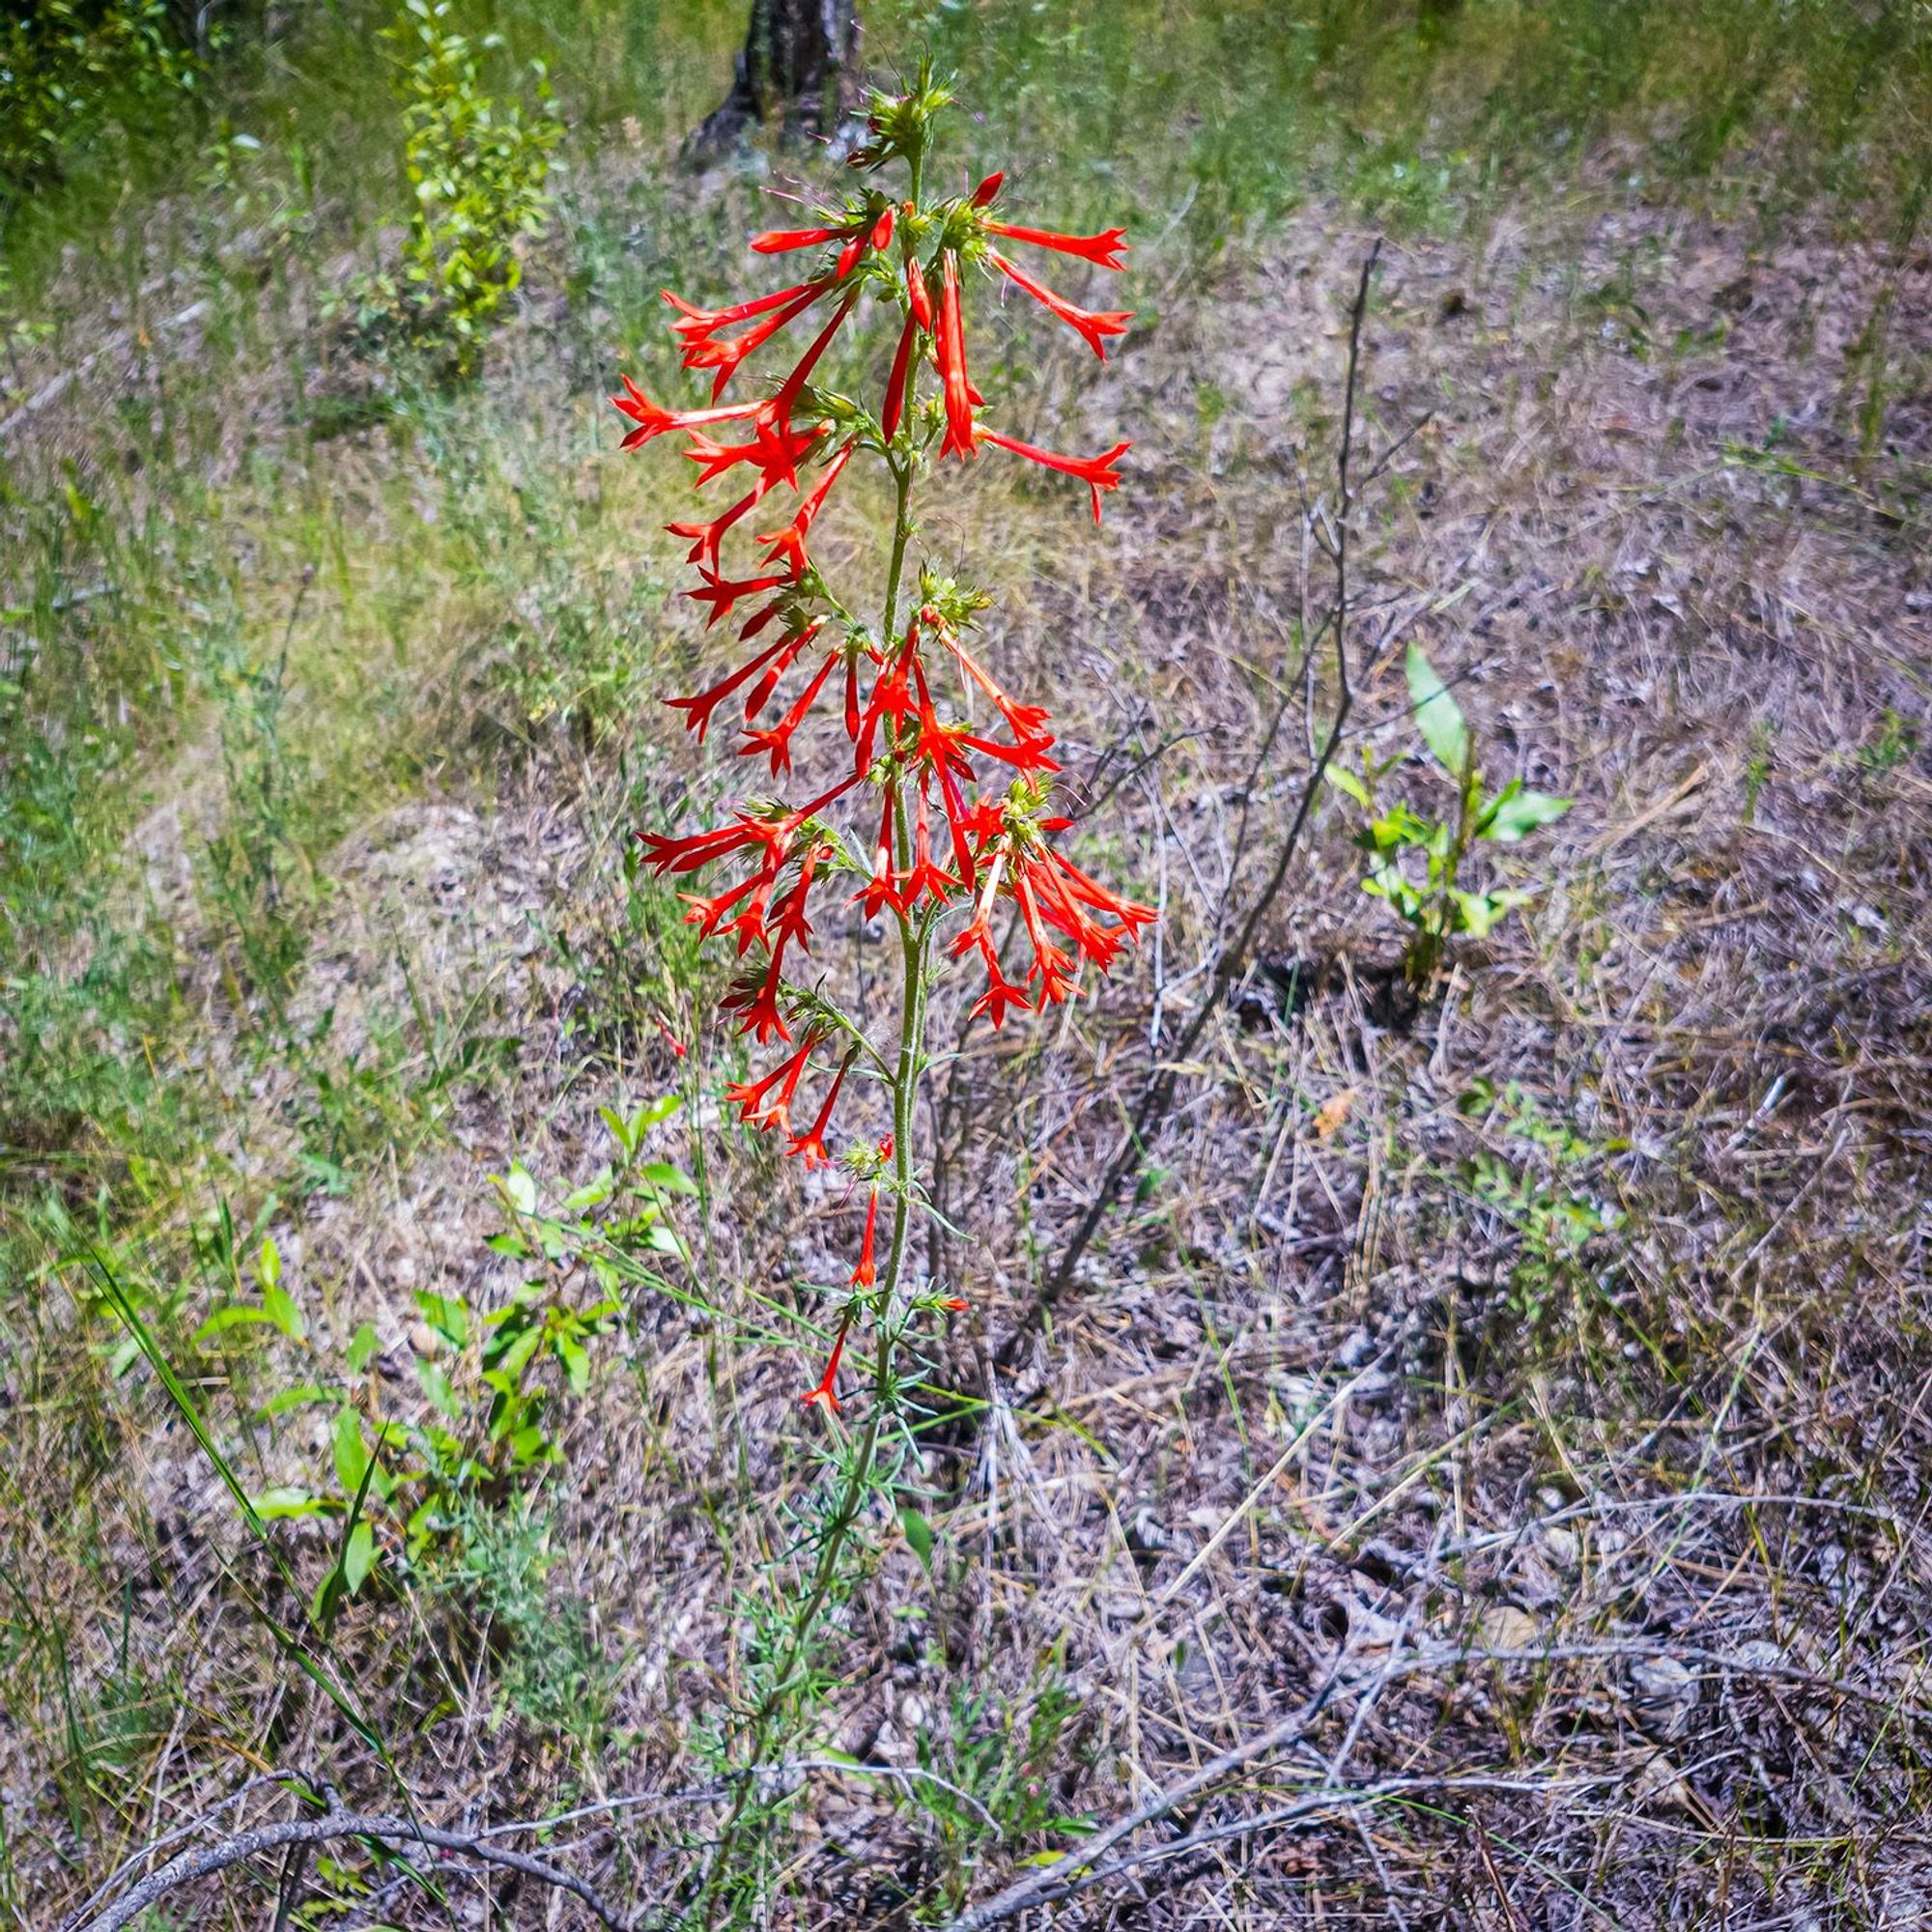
(1666, 1693)
(1505, 1627)
(1355, 1351)
(1563, 1548)
(1659, 1782)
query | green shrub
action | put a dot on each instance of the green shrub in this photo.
(479, 169)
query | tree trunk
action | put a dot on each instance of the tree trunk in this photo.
(796, 71)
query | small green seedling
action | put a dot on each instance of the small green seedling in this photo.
(1437, 905)
(1544, 1197)
(497, 1379)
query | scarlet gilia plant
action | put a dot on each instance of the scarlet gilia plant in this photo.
(941, 804)
(931, 807)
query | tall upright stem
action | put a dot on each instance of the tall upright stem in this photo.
(914, 935)
(901, 536)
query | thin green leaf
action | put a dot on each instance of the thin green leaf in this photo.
(1346, 781)
(1515, 816)
(918, 1534)
(284, 1501)
(310, 1666)
(284, 1400)
(358, 1557)
(436, 1385)
(576, 1362)
(1437, 715)
(239, 1316)
(282, 1311)
(672, 1179)
(449, 1315)
(352, 1453)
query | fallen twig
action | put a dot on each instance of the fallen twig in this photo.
(57, 387)
(327, 1830)
(1230, 961)
(1081, 1868)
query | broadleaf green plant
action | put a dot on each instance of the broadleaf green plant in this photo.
(1435, 903)
(479, 170)
(495, 1379)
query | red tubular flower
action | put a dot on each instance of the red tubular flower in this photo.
(881, 890)
(892, 699)
(653, 421)
(757, 999)
(697, 710)
(895, 382)
(789, 542)
(665, 854)
(852, 695)
(1052, 890)
(865, 1274)
(810, 1146)
(1091, 326)
(767, 1103)
(1090, 892)
(1106, 248)
(775, 739)
(952, 362)
(916, 296)
(789, 390)
(760, 620)
(707, 537)
(708, 915)
(1030, 756)
(1097, 473)
(1026, 721)
(925, 876)
(956, 819)
(1051, 967)
(705, 349)
(791, 926)
(986, 821)
(773, 452)
(722, 595)
(782, 240)
(694, 320)
(882, 233)
(789, 648)
(1000, 995)
(985, 195)
(823, 1394)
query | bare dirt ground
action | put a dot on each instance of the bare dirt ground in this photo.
(1615, 1615)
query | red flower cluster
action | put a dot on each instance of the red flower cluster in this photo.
(906, 700)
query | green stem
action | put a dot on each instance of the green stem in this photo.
(766, 1718)
(915, 938)
(901, 536)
